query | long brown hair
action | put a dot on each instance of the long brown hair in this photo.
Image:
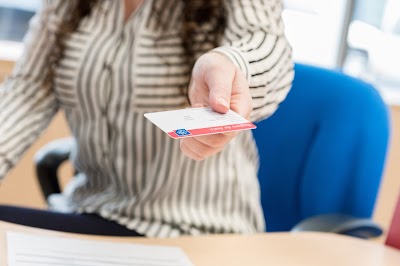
(196, 13)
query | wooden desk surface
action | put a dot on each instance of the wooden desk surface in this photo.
(263, 249)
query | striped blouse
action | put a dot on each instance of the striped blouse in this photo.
(111, 73)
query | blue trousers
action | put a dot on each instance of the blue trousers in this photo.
(90, 224)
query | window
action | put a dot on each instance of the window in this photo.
(373, 46)
(317, 30)
(14, 18)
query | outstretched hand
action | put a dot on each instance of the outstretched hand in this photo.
(218, 83)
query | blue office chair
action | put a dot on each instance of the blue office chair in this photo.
(323, 152)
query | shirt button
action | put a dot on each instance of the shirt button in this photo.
(107, 66)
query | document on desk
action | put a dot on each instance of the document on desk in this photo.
(33, 250)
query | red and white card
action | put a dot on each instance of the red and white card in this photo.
(193, 122)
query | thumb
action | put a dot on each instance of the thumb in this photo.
(219, 82)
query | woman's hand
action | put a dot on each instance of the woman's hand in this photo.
(218, 83)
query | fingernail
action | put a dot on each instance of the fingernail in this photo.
(223, 102)
(197, 105)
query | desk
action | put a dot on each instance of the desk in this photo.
(263, 249)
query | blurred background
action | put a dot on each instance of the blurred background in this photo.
(358, 37)
(361, 37)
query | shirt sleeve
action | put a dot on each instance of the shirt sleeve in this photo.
(27, 101)
(255, 42)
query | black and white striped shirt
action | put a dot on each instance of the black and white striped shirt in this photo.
(113, 72)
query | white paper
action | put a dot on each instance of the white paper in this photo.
(33, 250)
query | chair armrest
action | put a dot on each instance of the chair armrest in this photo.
(47, 161)
(340, 224)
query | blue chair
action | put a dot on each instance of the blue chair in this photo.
(323, 152)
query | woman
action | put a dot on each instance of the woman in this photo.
(106, 63)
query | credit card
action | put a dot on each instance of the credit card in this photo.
(191, 122)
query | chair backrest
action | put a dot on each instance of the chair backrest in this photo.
(393, 238)
(323, 150)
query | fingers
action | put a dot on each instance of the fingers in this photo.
(241, 100)
(198, 93)
(196, 150)
(216, 140)
(200, 148)
(212, 79)
(219, 81)
(220, 86)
